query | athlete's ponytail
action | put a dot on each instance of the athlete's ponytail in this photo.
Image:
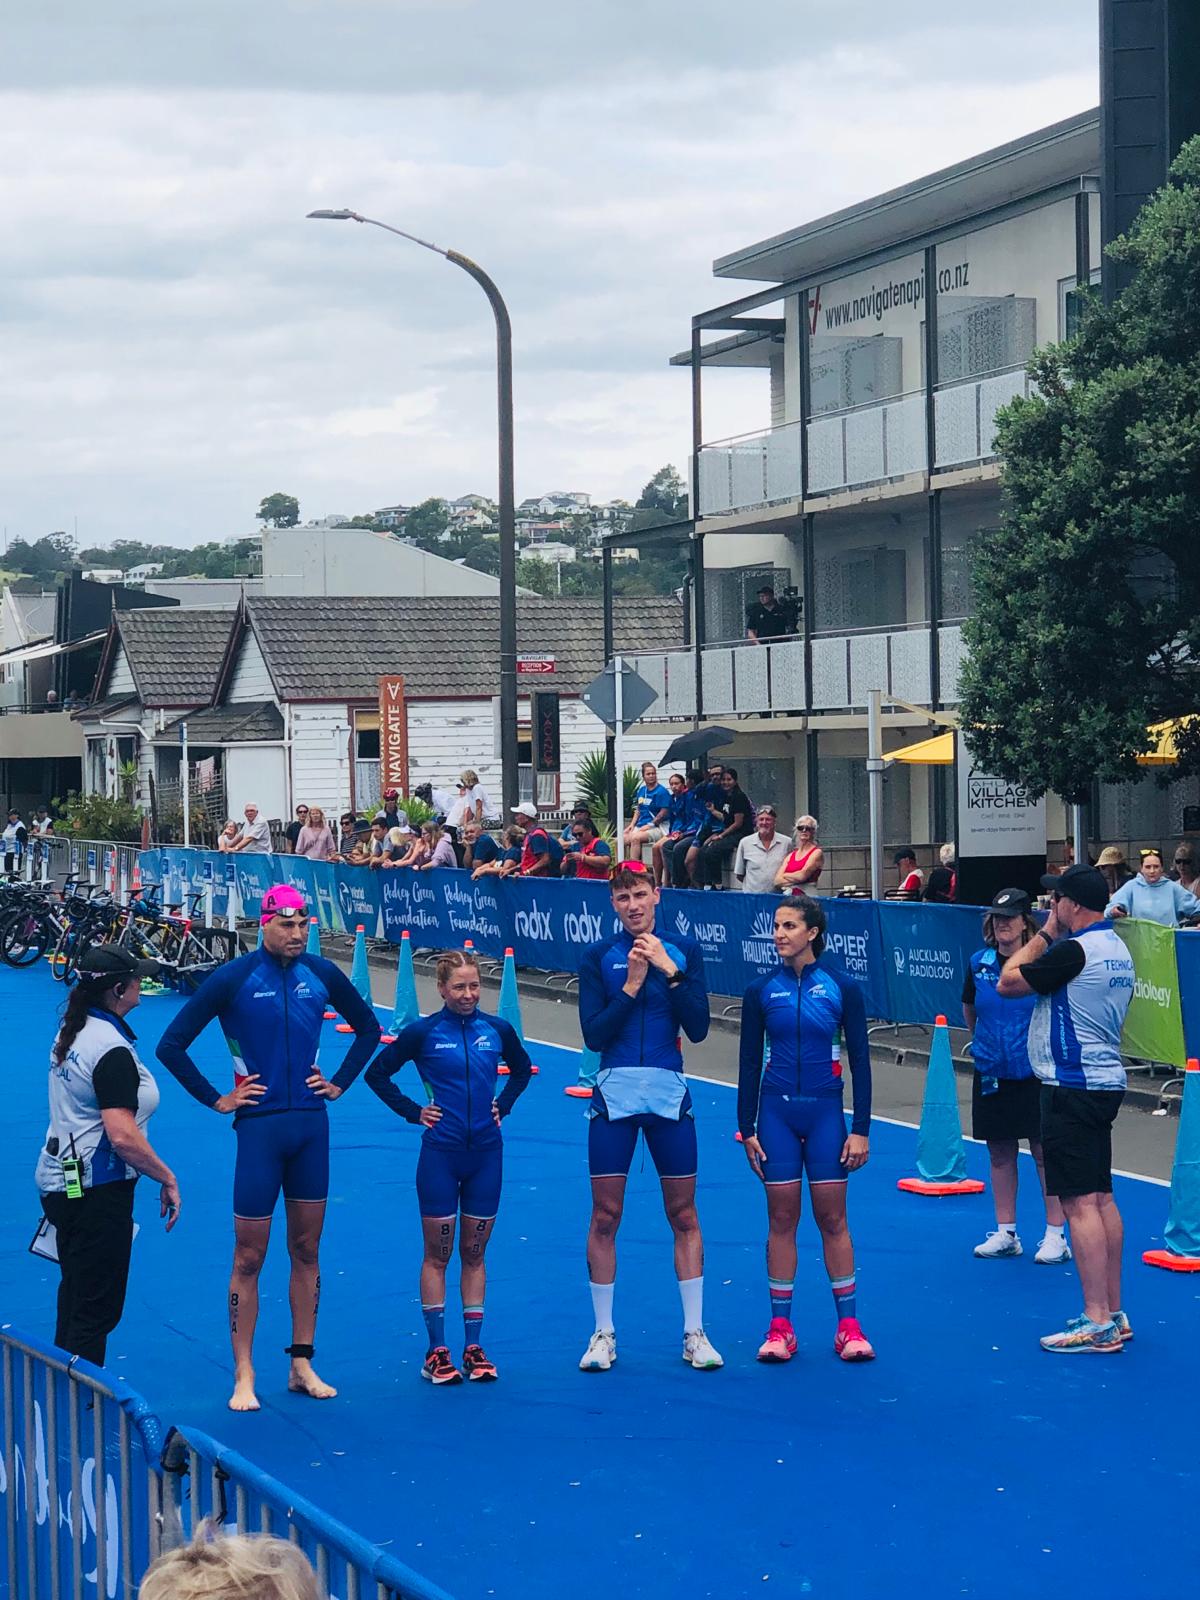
(813, 913)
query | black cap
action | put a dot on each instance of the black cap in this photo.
(907, 854)
(1011, 903)
(107, 964)
(1085, 885)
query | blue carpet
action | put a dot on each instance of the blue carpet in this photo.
(964, 1461)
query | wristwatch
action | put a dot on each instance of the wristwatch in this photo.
(1042, 934)
(676, 977)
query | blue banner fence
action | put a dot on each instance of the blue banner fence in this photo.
(909, 959)
(90, 1493)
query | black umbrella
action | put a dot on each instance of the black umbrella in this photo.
(690, 745)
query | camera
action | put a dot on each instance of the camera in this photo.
(791, 604)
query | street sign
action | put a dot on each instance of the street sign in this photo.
(183, 734)
(637, 696)
(535, 666)
(547, 739)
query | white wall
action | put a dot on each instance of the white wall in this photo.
(321, 758)
(250, 680)
(120, 678)
(258, 774)
(344, 560)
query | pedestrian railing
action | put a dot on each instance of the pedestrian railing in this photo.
(90, 1495)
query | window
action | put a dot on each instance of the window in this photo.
(1071, 301)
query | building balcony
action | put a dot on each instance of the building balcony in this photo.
(854, 448)
(745, 679)
(38, 734)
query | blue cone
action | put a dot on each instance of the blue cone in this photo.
(589, 1068)
(313, 947)
(407, 1009)
(510, 1004)
(359, 975)
(941, 1154)
(1182, 1233)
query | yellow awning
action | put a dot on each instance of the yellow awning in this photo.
(1165, 753)
(935, 752)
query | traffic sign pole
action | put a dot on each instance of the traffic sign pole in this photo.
(185, 790)
(619, 752)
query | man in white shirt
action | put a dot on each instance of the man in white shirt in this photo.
(760, 855)
(256, 835)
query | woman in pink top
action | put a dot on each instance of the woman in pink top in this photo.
(441, 851)
(799, 873)
(315, 839)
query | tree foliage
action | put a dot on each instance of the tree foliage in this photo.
(280, 510)
(45, 558)
(1087, 627)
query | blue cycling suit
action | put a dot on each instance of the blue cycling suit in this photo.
(271, 1013)
(639, 1083)
(460, 1165)
(793, 1104)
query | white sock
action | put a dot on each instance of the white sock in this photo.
(602, 1304)
(1055, 1232)
(691, 1292)
(1007, 1227)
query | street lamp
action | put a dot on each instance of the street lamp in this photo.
(507, 502)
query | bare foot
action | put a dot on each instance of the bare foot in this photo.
(303, 1380)
(244, 1397)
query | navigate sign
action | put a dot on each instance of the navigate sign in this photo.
(637, 696)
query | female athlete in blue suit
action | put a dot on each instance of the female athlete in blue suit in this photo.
(791, 1120)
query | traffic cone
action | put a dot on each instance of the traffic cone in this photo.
(258, 946)
(1181, 1236)
(360, 977)
(407, 1009)
(509, 1007)
(136, 887)
(313, 947)
(589, 1066)
(941, 1154)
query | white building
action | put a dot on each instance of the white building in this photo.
(315, 560)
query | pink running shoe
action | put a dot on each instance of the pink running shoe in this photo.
(780, 1343)
(851, 1343)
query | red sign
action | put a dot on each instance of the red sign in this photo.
(393, 736)
(535, 665)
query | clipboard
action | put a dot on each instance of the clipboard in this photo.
(45, 1240)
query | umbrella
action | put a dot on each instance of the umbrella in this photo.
(690, 745)
(1165, 752)
(935, 752)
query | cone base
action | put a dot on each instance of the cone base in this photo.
(1172, 1262)
(387, 1038)
(329, 1016)
(343, 1027)
(923, 1186)
(578, 1091)
(502, 1071)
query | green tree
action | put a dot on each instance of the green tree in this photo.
(280, 510)
(45, 558)
(664, 495)
(1087, 627)
(425, 523)
(538, 575)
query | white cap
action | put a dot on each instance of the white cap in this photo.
(526, 809)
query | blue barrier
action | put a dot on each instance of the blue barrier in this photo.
(1187, 957)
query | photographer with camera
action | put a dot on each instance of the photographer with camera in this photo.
(772, 618)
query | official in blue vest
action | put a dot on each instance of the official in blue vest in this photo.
(1005, 1094)
(1083, 978)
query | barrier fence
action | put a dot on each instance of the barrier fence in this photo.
(91, 1494)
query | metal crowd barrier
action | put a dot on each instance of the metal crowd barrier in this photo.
(349, 1567)
(90, 1495)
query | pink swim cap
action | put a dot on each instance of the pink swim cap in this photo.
(283, 901)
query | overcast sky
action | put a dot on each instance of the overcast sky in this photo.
(178, 341)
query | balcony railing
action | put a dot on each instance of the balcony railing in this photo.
(965, 415)
(867, 444)
(744, 679)
(757, 469)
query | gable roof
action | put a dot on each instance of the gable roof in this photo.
(337, 647)
(239, 722)
(174, 652)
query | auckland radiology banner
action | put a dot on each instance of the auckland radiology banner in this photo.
(1154, 1024)
(995, 817)
(927, 948)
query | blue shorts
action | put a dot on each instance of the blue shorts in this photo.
(458, 1178)
(671, 1142)
(286, 1150)
(802, 1133)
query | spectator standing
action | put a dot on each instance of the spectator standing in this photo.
(911, 877)
(802, 869)
(439, 852)
(315, 839)
(228, 837)
(394, 816)
(1112, 863)
(1152, 896)
(347, 833)
(651, 805)
(479, 801)
(1083, 977)
(1184, 864)
(766, 619)
(541, 856)
(760, 855)
(238, 1567)
(292, 832)
(593, 857)
(736, 821)
(942, 888)
(255, 837)
(681, 825)
(16, 837)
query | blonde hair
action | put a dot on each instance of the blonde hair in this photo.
(469, 776)
(213, 1567)
(316, 811)
(453, 961)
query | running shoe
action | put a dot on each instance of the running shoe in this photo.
(439, 1368)
(1052, 1252)
(1083, 1337)
(477, 1366)
(999, 1243)
(601, 1352)
(851, 1343)
(698, 1353)
(1123, 1326)
(780, 1343)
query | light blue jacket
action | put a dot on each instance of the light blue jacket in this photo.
(1165, 901)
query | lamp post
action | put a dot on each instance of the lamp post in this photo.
(507, 500)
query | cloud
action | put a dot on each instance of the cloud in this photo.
(179, 340)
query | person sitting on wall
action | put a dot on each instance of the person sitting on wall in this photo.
(942, 888)
(912, 879)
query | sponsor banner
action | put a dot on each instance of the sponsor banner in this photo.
(298, 872)
(255, 875)
(150, 864)
(927, 948)
(551, 924)
(1154, 1023)
(473, 910)
(411, 900)
(733, 931)
(995, 817)
(1187, 962)
(854, 942)
(356, 892)
(176, 874)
